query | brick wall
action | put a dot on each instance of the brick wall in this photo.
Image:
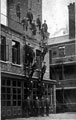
(35, 5)
(69, 51)
(69, 57)
(71, 20)
(46, 59)
(8, 66)
(11, 8)
(10, 35)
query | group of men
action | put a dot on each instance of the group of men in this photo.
(36, 107)
(34, 23)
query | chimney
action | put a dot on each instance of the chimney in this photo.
(71, 8)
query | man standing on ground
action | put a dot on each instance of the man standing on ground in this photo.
(42, 106)
(47, 106)
(37, 105)
(28, 106)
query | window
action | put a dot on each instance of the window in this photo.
(16, 93)
(25, 88)
(38, 52)
(11, 92)
(62, 51)
(50, 56)
(4, 49)
(70, 71)
(54, 53)
(6, 92)
(15, 52)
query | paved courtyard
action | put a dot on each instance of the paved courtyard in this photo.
(62, 116)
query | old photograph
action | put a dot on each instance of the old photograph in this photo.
(38, 59)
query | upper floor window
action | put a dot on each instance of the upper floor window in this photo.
(62, 51)
(15, 52)
(38, 53)
(4, 49)
(50, 56)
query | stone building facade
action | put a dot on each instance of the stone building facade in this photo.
(13, 82)
(36, 9)
(62, 65)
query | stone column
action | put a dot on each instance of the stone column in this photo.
(51, 98)
(54, 98)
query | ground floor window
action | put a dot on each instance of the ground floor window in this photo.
(15, 91)
(11, 92)
(66, 100)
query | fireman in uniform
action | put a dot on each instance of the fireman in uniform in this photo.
(33, 68)
(24, 23)
(33, 27)
(44, 26)
(29, 16)
(44, 29)
(38, 21)
(43, 71)
(28, 106)
(47, 106)
(42, 106)
(37, 106)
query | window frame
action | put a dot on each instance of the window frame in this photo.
(9, 97)
(16, 52)
(4, 49)
(61, 48)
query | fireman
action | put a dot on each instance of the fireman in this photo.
(29, 16)
(37, 106)
(47, 106)
(44, 26)
(42, 106)
(24, 23)
(28, 106)
(43, 71)
(33, 27)
(33, 68)
(38, 21)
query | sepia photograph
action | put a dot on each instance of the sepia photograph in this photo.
(38, 59)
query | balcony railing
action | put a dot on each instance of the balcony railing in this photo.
(70, 58)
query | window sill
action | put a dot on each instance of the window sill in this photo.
(18, 65)
(4, 61)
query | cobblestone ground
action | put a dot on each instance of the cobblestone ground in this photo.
(63, 116)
